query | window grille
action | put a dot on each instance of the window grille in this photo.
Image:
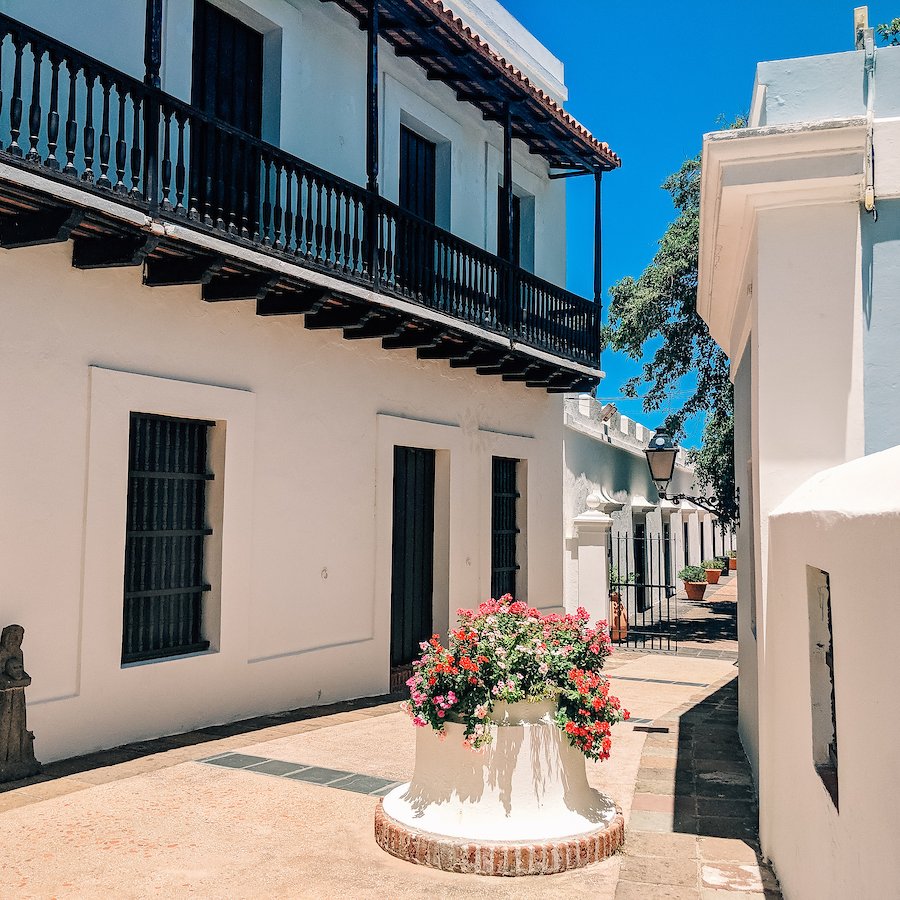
(164, 539)
(504, 530)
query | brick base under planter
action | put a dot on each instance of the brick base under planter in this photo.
(487, 858)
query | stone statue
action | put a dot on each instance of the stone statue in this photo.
(16, 741)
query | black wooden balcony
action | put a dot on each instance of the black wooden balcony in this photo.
(78, 121)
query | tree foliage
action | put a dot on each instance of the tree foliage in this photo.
(889, 32)
(658, 310)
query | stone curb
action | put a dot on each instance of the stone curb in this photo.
(497, 858)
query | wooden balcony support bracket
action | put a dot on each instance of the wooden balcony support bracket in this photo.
(426, 336)
(481, 356)
(43, 226)
(113, 251)
(510, 366)
(352, 315)
(292, 303)
(534, 374)
(578, 385)
(165, 271)
(252, 286)
(381, 325)
(450, 346)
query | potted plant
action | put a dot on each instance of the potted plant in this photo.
(722, 562)
(712, 570)
(732, 559)
(618, 612)
(506, 714)
(694, 579)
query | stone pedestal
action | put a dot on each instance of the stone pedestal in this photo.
(520, 806)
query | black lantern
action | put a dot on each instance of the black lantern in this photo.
(661, 453)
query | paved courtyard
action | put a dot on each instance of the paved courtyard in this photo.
(283, 806)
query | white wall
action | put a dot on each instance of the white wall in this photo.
(316, 64)
(832, 522)
(310, 420)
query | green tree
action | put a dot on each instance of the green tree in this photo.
(889, 32)
(658, 309)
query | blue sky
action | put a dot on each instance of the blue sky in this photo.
(650, 79)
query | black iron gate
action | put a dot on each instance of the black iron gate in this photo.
(643, 608)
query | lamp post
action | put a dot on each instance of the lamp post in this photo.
(661, 453)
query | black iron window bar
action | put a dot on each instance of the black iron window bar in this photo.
(113, 133)
(164, 538)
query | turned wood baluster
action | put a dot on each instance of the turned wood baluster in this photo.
(221, 142)
(15, 101)
(309, 215)
(136, 148)
(319, 230)
(71, 124)
(88, 133)
(34, 110)
(51, 162)
(356, 236)
(329, 231)
(338, 235)
(179, 167)
(278, 210)
(166, 162)
(267, 203)
(121, 145)
(234, 186)
(103, 181)
(288, 208)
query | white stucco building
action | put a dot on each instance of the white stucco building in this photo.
(648, 540)
(800, 284)
(284, 343)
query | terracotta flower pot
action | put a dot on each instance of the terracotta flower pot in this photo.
(732, 563)
(618, 618)
(712, 576)
(695, 589)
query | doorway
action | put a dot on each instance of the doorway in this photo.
(227, 84)
(412, 561)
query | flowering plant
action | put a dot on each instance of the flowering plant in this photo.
(507, 651)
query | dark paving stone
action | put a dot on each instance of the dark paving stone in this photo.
(386, 789)
(318, 775)
(278, 767)
(235, 760)
(362, 784)
(727, 809)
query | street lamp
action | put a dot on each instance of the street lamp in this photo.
(661, 453)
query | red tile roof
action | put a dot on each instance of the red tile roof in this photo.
(570, 122)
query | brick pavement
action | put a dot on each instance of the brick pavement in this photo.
(283, 806)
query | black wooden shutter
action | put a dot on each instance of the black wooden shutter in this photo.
(515, 256)
(165, 532)
(504, 530)
(417, 174)
(412, 575)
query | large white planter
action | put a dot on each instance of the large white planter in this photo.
(529, 784)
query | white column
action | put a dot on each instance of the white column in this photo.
(693, 518)
(592, 529)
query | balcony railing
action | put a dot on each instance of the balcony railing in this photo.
(76, 118)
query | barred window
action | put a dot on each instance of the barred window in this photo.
(165, 537)
(504, 526)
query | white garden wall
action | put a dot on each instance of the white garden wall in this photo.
(846, 522)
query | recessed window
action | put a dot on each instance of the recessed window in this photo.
(821, 677)
(166, 531)
(506, 542)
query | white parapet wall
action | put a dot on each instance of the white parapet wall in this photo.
(831, 543)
